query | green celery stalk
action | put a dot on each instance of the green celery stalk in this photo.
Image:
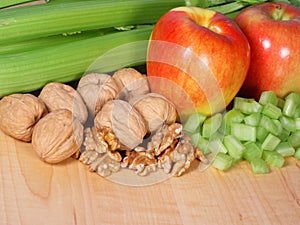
(7, 3)
(53, 40)
(24, 23)
(31, 70)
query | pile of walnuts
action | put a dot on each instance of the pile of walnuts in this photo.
(108, 123)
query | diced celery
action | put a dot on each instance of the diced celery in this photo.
(233, 115)
(270, 143)
(200, 142)
(252, 151)
(283, 136)
(268, 97)
(297, 122)
(246, 105)
(261, 133)
(297, 154)
(285, 149)
(278, 126)
(273, 158)
(215, 146)
(234, 146)
(253, 119)
(290, 105)
(194, 122)
(211, 125)
(271, 111)
(243, 132)
(222, 161)
(259, 166)
(288, 123)
(280, 103)
(297, 112)
(269, 125)
(294, 139)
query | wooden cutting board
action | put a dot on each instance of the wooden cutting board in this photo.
(33, 192)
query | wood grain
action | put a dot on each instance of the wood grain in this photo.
(33, 192)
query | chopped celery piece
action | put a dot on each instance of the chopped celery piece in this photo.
(246, 106)
(252, 151)
(261, 133)
(273, 158)
(215, 146)
(288, 123)
(222, 161)
(243, 132)
(271, 111)
(234, 146)
(283, 136)
(269, 125)
(200, 142)
(297, 123)
(194, 122)
(278, 125)
(290, 105)
(297, 112)
(211, 125)
(294, 139)
(295, 97)
(285, 149)
(270, 143)
(234, 115)
(297, 153)
(259, 166)
(268, 97)
(253, 119)
(280, 103)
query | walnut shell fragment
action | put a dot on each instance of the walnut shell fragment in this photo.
(62, 96)
(131, 83)
(19, 113)
(97, 89)
(155, 109)
(57, 136)
(124, 121)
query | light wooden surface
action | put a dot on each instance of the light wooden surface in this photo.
(35, 193)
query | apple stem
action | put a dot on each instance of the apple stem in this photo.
(278, 14)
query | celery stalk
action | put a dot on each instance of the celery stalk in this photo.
(24, 23)
(67, 62)
(259, 166)
(7, 3)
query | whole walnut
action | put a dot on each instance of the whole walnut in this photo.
(62, 96)
(57, 136)
(19, 113)
(96, 90)
(131, 83)
(155, 109)
(125, 122)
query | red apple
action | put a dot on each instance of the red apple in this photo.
(273, 32)
(198, 59)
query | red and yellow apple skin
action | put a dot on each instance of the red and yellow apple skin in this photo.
(273, 32)
(198, 59)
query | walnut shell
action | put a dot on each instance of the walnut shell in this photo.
(19, 113)
(126, 123)
(155, 109)
(96, 90)
(131, 83)
(57, 136)
(62, 96)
